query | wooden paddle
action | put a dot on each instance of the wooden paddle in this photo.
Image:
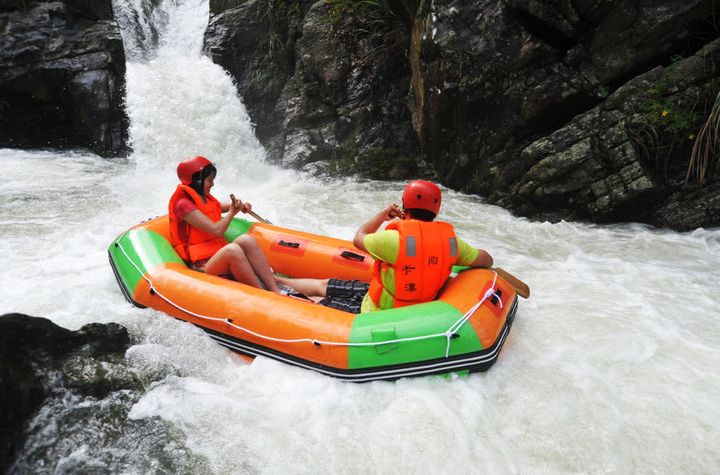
(252, 213)
(521, 287)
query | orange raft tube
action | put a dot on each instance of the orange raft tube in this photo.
(462, 331)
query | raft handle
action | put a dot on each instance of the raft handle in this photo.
(352, 256)
(289, 244)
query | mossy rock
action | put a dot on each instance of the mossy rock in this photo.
(387, 163)
(219, 6)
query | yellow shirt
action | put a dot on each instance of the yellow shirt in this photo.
(385, 246)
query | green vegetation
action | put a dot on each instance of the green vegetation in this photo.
(665, 130)
(602, 91)
(669, 116)
(706, 149)
(372, 9)
(383, 163)
(371, 26)
(377, 163)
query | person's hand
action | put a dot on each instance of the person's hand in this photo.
(246, 207)
(393, 211)
(236, 205)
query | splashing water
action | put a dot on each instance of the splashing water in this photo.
(611, 366)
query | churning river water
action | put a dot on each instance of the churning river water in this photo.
(612, 366)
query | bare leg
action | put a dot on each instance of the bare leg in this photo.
(310, 287)
(257, 261)
(232, 260)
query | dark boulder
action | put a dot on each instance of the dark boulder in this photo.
(39, 359)
(617, 162)
(321, 85)
(62, 76)
(510, 73)
(476, 94)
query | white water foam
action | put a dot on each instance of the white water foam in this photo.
(611, 366)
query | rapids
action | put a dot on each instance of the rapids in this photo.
(611, 366)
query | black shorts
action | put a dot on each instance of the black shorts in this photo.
(345, 295)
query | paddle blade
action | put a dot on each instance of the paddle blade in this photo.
(521, 287)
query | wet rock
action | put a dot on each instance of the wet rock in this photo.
(615, 162)
(690, 208)
(517, 78)
(39, 359)
(318, 84)
(471, 90)
(62, 76)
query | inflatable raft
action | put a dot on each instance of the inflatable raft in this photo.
(462, 331)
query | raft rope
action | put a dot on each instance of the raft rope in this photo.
(449, 334)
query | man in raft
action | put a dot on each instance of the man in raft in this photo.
(414, 256)
(197, 229)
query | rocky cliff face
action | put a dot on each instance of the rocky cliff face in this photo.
(319, 92)
(40, 360)
(627, 157)
(582, 110)
(62, 76)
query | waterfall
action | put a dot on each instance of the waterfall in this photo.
(179, 102)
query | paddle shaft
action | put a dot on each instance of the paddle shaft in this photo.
(521, 287)
(258, 217)
(250, 212)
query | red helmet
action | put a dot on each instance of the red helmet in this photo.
(187, 168)
(421, 194)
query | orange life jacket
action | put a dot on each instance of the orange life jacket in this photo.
(197, 244)
(427, 252)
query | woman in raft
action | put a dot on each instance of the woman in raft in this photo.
(197, 229)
